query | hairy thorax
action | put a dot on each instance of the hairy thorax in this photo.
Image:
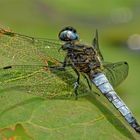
(83, 57)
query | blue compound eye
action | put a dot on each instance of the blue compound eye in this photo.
(68, 34)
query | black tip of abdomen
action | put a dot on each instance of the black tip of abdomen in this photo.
(136, 126)
(137, 129)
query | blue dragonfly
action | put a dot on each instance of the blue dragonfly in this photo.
(85, 60)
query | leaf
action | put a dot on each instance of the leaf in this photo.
(41, 105)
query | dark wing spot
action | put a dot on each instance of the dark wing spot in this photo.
(7, 67)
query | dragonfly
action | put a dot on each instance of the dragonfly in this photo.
(67, 53)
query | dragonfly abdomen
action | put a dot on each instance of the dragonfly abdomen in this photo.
(107, 90)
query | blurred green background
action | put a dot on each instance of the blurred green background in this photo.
(117, 22)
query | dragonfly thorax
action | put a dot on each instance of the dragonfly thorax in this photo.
(82, 57)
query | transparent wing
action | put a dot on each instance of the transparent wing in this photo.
(116, 72)
(30, 58)
(36, 80)
(39, 80)
(95, 44)
(21, 49)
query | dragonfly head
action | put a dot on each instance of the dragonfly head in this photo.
(68, 34)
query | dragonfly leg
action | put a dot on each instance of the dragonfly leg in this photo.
(76, 84)
(61, 68)
(64, 64)
(87, 82)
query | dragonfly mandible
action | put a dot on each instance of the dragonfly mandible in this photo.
(85, 60)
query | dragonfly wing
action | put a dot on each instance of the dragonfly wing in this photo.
(22, 49)
(116, 72)
(39, 80)
(95, 44)
(17, 72)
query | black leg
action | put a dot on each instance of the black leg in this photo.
(64, 64)
(76, 84)
(87, 81)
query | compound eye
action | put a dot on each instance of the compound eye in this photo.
(70, 29)
(74, 30)
(68, 34)
(71, 35)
